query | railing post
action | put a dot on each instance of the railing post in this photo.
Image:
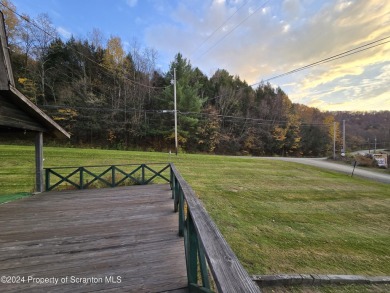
(171, 179)
(47, 179)
(113, 183)
(39, 162)
(81, 177)
(203, 267)
(192, 251)
(176, 199)
(181, 211)
(143, 174)
(178, 188)
(173, 187)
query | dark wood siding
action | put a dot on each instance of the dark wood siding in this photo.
(13, 116)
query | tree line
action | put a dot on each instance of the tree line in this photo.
(110, 97)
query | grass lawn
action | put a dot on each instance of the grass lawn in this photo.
(278, 217)
(383, 288)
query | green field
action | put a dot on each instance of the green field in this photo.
(278, 217)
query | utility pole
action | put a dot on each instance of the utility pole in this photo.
(175, 110)
(375, 146)
(334, 140)
(344, 148)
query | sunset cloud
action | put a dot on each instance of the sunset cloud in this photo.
(283, 36)
(256, 40)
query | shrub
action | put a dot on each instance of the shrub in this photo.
(365, 160)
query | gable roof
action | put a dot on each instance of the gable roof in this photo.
(16, 110)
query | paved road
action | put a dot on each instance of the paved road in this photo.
(324, 163)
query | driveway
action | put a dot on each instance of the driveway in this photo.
(326, 164)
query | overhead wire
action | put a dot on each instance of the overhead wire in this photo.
(328, 59)
(219, 27)
(245, 119)
(332, 58)
(322, 61)
(231, 31)
(77, 51)
(188, 113)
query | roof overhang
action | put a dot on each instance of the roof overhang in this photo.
(48, 125)
(8, 91)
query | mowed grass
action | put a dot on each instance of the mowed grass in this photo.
(382, 288)
(278, 217)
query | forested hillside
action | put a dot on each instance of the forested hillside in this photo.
(366, 130)
(107, 96)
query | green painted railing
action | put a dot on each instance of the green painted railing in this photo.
(211, 264)
(105, 176)
(207, 253)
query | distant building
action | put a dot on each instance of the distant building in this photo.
(381, 160)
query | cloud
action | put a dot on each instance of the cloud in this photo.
(367, 94)
(132, 3)
(377, 103)
(281, 37)
(64, 32)
(292, 8)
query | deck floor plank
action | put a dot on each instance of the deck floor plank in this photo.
(128, 233)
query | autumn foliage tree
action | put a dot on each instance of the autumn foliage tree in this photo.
(109, 96)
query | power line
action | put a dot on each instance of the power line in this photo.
(91, 108)
(188, 113)
(322, 61)
(25, 18)
(97, 93)
(75, 50)
(221, 39)
(332, 58)
(270, 121)
(90, 89)
(217, 29)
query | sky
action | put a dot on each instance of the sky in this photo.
(253, 39)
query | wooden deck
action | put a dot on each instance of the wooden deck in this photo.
(108, 240)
